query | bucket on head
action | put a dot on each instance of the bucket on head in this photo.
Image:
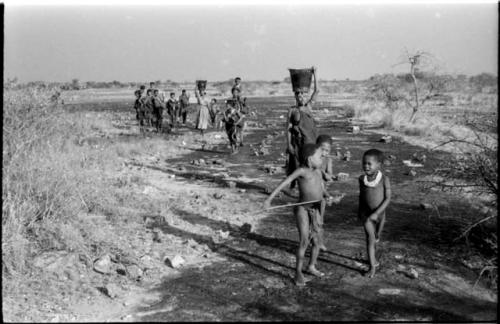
(301, 79)
(201, 85)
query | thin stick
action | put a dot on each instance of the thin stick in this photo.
(287, 205)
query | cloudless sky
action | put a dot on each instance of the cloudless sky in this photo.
(133, 43)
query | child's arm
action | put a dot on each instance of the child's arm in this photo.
(297, 173)
(315, 92)
(387, 199)
(328, 173)
(289, 146)
(360, 202)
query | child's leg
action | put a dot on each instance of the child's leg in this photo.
(314, 215)
(241, 135)
(321, 216)
(370, 245)
(303, 227)
(380, 226)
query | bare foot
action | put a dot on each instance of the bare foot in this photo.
(371, 272)
(315, 272)
(299, 280)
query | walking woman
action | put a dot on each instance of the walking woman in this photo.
(300, 126)
(203, 113)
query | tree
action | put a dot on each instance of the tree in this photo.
(417, 61)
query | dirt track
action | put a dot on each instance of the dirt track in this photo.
(246, 275)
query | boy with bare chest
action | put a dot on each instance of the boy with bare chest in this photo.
(310, 181)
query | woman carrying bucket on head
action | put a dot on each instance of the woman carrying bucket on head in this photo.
(203, 115)
(300, 125)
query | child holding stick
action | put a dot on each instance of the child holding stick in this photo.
(311, 194)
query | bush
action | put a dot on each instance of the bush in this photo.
(47, 180)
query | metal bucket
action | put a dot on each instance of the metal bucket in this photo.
(301, 79)
(201, 85)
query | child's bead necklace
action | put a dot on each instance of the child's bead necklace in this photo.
(374, 182)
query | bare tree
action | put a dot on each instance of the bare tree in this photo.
(418, 60)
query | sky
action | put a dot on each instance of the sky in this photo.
(219, 42)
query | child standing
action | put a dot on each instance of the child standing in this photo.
(172, 109)
(214, 111)
(325, 143)
(183, 106)
(149, 107)
(158, 110)
(374, 197)
(311, 192)
(137, 103)
(231, 117)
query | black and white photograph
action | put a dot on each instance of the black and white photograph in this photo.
(248, 161)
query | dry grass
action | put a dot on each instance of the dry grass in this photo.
(51, 176)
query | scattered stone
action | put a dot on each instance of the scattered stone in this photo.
(268, 190)
(354, 129)
(218, 162)
(147, 262)
(247, 228)
(413, 274)
(201, 161)
(171, 176)
(389, 291)
(134, 272)
(412, 173)
(231, 184)
(111, 290)
(217, 136)
(222, 234)
(218, 195)
(242, 190)
(175, 261)
(386, 139)
(341, 176)
(410, 164)
(415, 158)
(282, 117)
(426, 206)
(181, 168)
(392, 157)
(156, 235)
(103, 264)
(398, 257)
(264, 151)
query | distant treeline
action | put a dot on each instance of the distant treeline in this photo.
(480, 81)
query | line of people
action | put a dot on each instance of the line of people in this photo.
(150, 105)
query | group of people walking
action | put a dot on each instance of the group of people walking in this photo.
(151, 107)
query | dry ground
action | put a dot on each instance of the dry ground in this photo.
(238, 261)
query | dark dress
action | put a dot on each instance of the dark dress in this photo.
(302, 132)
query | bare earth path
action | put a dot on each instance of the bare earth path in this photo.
(245, 275)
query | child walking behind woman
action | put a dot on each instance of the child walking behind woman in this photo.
(374, 197)
(307, 214)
